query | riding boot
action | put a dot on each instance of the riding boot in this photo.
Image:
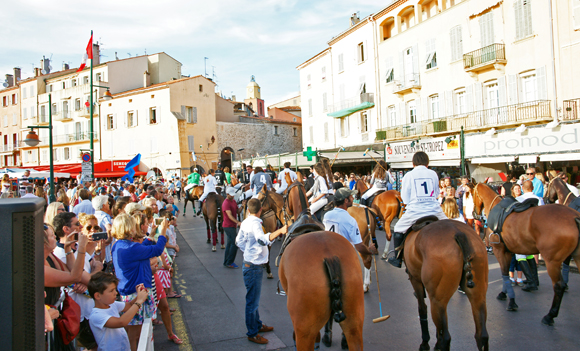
(397, 260)
(534, 269)
(200, 207)
(530, 282)
(363, 201)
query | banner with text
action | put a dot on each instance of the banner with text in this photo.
(436, 148)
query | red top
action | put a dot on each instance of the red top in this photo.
(233, 208)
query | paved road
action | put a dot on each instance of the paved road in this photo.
(212, 309)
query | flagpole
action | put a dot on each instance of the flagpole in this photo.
(91, 111)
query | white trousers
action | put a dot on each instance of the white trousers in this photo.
(189, 186)
(410, 217)
(373, 190)
(281, 189)
(206, 192)
(318, 205)
(249, 194)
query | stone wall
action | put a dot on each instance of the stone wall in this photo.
(258, 138)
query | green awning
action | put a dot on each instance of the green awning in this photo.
(349, 111)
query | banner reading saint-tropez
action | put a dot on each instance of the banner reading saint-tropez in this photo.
(436, 149)
(539, 140)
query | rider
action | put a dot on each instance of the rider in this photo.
(248, 177)
(319, 190)
(381, 177)
(209, 187)
(193, 180)
(419, 193)
(270, 172)
(220, 178)
(282, 177)
(228, 175)
(341, 222)
(260, 178)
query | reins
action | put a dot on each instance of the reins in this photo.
(480, 199)
(550, 184)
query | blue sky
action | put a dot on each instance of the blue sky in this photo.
(241, 38)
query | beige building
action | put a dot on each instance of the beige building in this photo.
(10, 112)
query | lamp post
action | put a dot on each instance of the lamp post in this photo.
(107, 96)
(33, 140)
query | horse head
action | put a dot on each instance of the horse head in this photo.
(264, 199)
(484, 198)
(556, 186)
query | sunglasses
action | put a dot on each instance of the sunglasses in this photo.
(529, 173)
(91, 227)
(45, 227)
(60, 209)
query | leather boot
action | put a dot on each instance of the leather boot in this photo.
(534, 269)
(397, 241)
(530, 282)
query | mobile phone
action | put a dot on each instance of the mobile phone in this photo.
(76, 237)
(100, 236)
(158, 221)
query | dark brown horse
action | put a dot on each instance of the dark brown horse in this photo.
(439, 258)
(557, 190)
(272, 212)
(193, 194)
(211, 213)
(532, 232)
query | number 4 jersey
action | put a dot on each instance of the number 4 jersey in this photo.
(420, 189)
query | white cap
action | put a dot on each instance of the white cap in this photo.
(231, 191)
(195, 169)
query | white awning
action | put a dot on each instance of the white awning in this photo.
(502, 159)
(528, 159)
(572, 156)
(445, 163)
(402, 165)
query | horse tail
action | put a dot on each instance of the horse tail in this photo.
(335, 275)
(467, 250)
(400, 208)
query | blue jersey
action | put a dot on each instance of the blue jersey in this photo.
(341, 222)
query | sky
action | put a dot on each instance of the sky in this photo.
(240, 38)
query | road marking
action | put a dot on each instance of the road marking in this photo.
(188, 298)
(274, 342)
(179, 326)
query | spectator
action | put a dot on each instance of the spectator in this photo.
(538, 186)
(6, 183)
(230, 213)
(131, 191)
(61, 197)
(506, 187)
(459, 194)
(24, 182)
(337, 183)
(133, 207)
(85, 206)
(352, 181)
(28, 192)
(52, 210)
(469, 207)
(529, 192)
(119, 208)
(132, 267)
(451, 210)
(106, 321)
(103, 213)
(172, 207)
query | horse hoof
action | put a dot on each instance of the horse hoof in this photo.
(327, 339)
(547, 320)
(502, 296)
(424, 347)
(384, 256)
(366, 288)
(344, 343)
(184, 215)
(270, 276)
(208, 241)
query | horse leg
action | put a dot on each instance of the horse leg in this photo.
(439, 315)
(420, 294)
(327, 338)
(207, 229)
(185, 205)
(558, 283)
(214, 235)
(268, 269)
(476, 297)
(306, 338)
(387, 227)
(366, 279)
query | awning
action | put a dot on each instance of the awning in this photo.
(501, 159)
(116, 174)
(572, 156)
(349, 111)
(455, 162)
(399, 165)
(528, 159)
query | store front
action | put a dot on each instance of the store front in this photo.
(103, 169)
(444, 156)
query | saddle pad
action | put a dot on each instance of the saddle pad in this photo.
(304, 224)
(575, 204)
(421, 223)
(504, 208)
(372, 198)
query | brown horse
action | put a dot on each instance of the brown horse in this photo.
(367, 232)
(557, 190)
(211, 213)
(532, 232)
(272, 212)
(321, 276)
(193, 194)
(439, 257)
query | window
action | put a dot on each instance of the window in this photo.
(324, 103)
(55, 154)
(460, 102)
(486, 29)
(311, 135)
(324, 74)
(201, 88)
(434, 106)
(44, 155)
(275, 130)
(65, 109)
(392, 113)
(42, 113)
(32, 111)
(24, 113)
(295, 131)
(523, 12)
(77, 104)
(390, 71)
(412, 109)
(431, 61)
(49, 89)
(66, 153)
(74, 83)
(191, 114)
(5, 120)
(24, 93)
(110, 122)
(14, 100)
(190, 143)
(5, 101)
(99, 77)
(326, 132)
(85, 80)
(308, 83)
(340, 63)
(309, 107)
(152, 115)
(456, 43)
(344, 127)
(54, 109)
(131, 122)
(492, 96)
(361, 52)
(63, 85)
(529, 87)
(26, 156)
(364, 126)
(31, 91)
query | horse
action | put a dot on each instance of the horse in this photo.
(365, 218)
(272, 212)
(557, 190)
(388, 205)
(211, 212)
(532, 232)
(440, 257)
(191, 195)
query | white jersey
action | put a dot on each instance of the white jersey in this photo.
(282, 177)
(341, 222)
(420, 189)
(209, 184)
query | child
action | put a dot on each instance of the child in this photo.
(106, 322)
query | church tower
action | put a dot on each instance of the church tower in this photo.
(253, 89)
(253, 98)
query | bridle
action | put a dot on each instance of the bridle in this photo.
(272, 209)
(482, 203)
(550, 184)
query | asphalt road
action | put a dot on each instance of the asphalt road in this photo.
(211, 311)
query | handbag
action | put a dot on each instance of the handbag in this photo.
(69, 321)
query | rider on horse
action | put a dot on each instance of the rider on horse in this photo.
(192, 180)
(260, 178)
(381, 177)
(282, 177)
(209, 187)
(420, 197)
(220, 178)
(319, 190)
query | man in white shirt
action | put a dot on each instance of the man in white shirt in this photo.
(528, 193)
(254, 244)
(282, 177)
(24, 182)
(419, 192)
(85, 206)
(209, 184)
(28, 192)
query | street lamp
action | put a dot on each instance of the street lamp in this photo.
(33, 140)
(107, 96)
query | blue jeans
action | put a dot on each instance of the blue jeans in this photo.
(253, 281)
(231, 248)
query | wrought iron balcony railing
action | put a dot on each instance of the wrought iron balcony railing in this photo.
(352, 102)
(484, 57)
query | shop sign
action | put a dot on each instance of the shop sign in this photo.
(564, 138)
(119, 166)
(436, 149)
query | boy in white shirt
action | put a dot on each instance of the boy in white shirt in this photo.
(105, 320)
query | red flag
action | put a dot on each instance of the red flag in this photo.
(87, 55)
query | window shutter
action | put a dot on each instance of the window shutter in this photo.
(114, 121)
(126, 119)
(477, 97)
(425, 108)
(453, 40)
(190, 144)
(24, 93)
(401, 113)
(311, 135)
(194, 114)
(158, 114)
(66, 129)
(148, 119)
(31, 91)
(326, 132)
(24, 113)
(527, 17)
(5, 120)
(541, 83)
(32, 111)
(576, 13)
(184, 112)
(518, 17)
(441, 101)
(490, 29)
(416, 63)
(324, 103)
(136, 118)
(469, 98)
(501, 86)
(341, 62)
(459, 53)
(513, 89)
(14, 119)
(400, 73)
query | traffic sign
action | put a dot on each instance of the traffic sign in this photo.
(86, 157)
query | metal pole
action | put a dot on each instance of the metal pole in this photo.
(52, 197)
(91, 111)
(462, 151)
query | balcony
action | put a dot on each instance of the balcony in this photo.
(410, 83)
(84, 112)
(528, 112)
(571, 109)
(67, 138)
(9, 148)
(62, 116)
(482, 59)
(349, 106)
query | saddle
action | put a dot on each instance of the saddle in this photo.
(418, 225)
(327, 208)
(503, 209)
(306, 223)
(369, 201)
(575, 204)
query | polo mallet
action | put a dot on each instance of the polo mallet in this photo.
(340, 148)
(204, 157)
(381, 318)
(374, 159)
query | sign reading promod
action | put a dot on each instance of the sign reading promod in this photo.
(436, 149)
(533, 141)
